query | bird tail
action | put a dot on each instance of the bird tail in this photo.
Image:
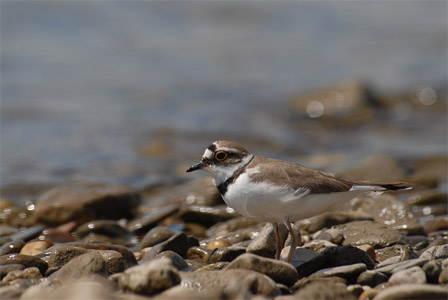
(380, 186)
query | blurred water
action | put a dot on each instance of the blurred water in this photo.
(86, 84)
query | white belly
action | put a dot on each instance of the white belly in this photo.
(272, 203)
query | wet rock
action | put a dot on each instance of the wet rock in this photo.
(206, 214)
(432, 270)
(12, 247)
(60, 234)
(413, 291)
(216, 244)
(178, 243)
(103, 227)
(371, 278)
(28, 273)
(264, 243)
(115, 262)
(149, 278)
(349, 272)
(127, 254)
(150, 219)
(155, 236)
(17, 217)
(328, 219)
(279, 271)
(390, 211)
(226, 254)
(176, 260)
(36, 247)
(221, 279)
(5, 269)
(199, 253)
(85, 202)
(412, 275)
(27, 261)
(324, 291)
(28, 233)
(62, 254)
(7, 230)
(372, 233)
(435, 252)
(346, 255)
(404, 251)
(85, 264)
(305, 261)
(318, 245)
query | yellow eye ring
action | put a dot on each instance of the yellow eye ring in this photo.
(220, 155)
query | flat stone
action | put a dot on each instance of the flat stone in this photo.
(206, 214)
(178, 243)
(28, 233)
(226, 254)
(279, 271)
(26, 260)
(12, 247)
(35, 247)
(150, 219)
(323, 291)
(155, 236)
(86, 202)
(149, 278)
(62, 254)
(10, 292)
(371, 278)
(115, 262)
(305, 261)
(390, 211)
(435, 252)
(348, 272)
(346, 255)
(259, 283)
(372, 233)
(103, 227)
(414, 275)
(264, 243)
(402, 265)
(413, 291)
(85, 264)
(329, 219)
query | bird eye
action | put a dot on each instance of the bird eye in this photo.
(220, 155)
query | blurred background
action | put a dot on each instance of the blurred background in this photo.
(131, 92)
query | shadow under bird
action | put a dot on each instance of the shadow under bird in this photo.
(277, 191)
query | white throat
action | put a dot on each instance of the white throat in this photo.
(222, 173)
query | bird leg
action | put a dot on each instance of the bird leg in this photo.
(278, 240)
(295, 240)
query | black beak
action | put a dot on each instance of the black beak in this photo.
(195, 167)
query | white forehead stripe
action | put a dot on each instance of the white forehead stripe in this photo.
(208, 153)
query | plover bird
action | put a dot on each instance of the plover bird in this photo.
(276, 191)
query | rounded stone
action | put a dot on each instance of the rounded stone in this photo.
(26, 260)
(414, 275)
(155, 236)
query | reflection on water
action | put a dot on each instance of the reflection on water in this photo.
(127, 92)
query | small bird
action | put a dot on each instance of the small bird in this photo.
(277, 191)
